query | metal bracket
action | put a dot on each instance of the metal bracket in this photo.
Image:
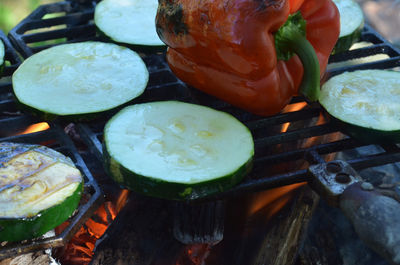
(331, 179)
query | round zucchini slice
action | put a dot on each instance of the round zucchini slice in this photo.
(175, 150)
(351, 24)
(79, 80)
(2, 55)
(128, 21)
(39, 189)
(365, 103)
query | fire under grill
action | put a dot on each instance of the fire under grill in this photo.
(285, 144)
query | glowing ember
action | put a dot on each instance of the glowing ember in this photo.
(98, 224)
(194, 255)
(79, 249)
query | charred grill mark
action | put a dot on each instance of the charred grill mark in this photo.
(266, 4)
(170, 17)
(10, 150)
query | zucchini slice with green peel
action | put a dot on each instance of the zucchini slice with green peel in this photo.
(351, 24)
(2, 55)
(79, 80)
(176, 150)
(128, 21)
(39, 189)
(366, 103)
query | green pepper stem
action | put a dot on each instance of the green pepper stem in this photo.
(310, 84)
(291, 39)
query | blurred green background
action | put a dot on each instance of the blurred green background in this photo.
(13, 11)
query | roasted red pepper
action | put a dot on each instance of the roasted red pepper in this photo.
(239, 50)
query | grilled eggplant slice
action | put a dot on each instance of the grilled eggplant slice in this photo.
(365, 103)
(79, 81)
(176, 150)
(39, 189)
(351, 24)
(128, 21)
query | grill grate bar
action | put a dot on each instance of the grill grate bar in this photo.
(303, 114)
(337, 146)
(303, 153)
(43, 47)
(9, 121)
(73, 33)
(295, 135)
(261, 184)
(67, 20)
(36, 137)
(78, 25)
(10, 56)
(380, 48)
(384, 64)
(7, 104)
(39, 13)
(280, 157)
(374, 160)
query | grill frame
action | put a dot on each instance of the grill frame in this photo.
(13, 122)
(10, 56)
(57, 136)
(163, 85)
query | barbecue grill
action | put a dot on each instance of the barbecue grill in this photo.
(293, 149)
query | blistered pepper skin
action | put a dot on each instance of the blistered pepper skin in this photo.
(226, 47)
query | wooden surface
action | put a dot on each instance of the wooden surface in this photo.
(384, 16)
(142, 234)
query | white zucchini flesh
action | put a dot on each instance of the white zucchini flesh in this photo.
(351, 16)
(80, 78)
(367, 98)
(2, 53)
(178, 142)
(128, 21)
(33, 182)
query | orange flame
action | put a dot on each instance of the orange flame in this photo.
(37, 127)
(291, 108)
(275, 199)
(121, 200)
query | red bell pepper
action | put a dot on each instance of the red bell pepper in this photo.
(241, 50)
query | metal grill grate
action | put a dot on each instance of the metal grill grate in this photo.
(11, 57)
(273, 147)
(12, 124)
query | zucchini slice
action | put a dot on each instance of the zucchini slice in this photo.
(128, 21)
(351, 24)
(74, 80)
(2, 55)
(176, 150)
(39, 189)
(366, 103)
